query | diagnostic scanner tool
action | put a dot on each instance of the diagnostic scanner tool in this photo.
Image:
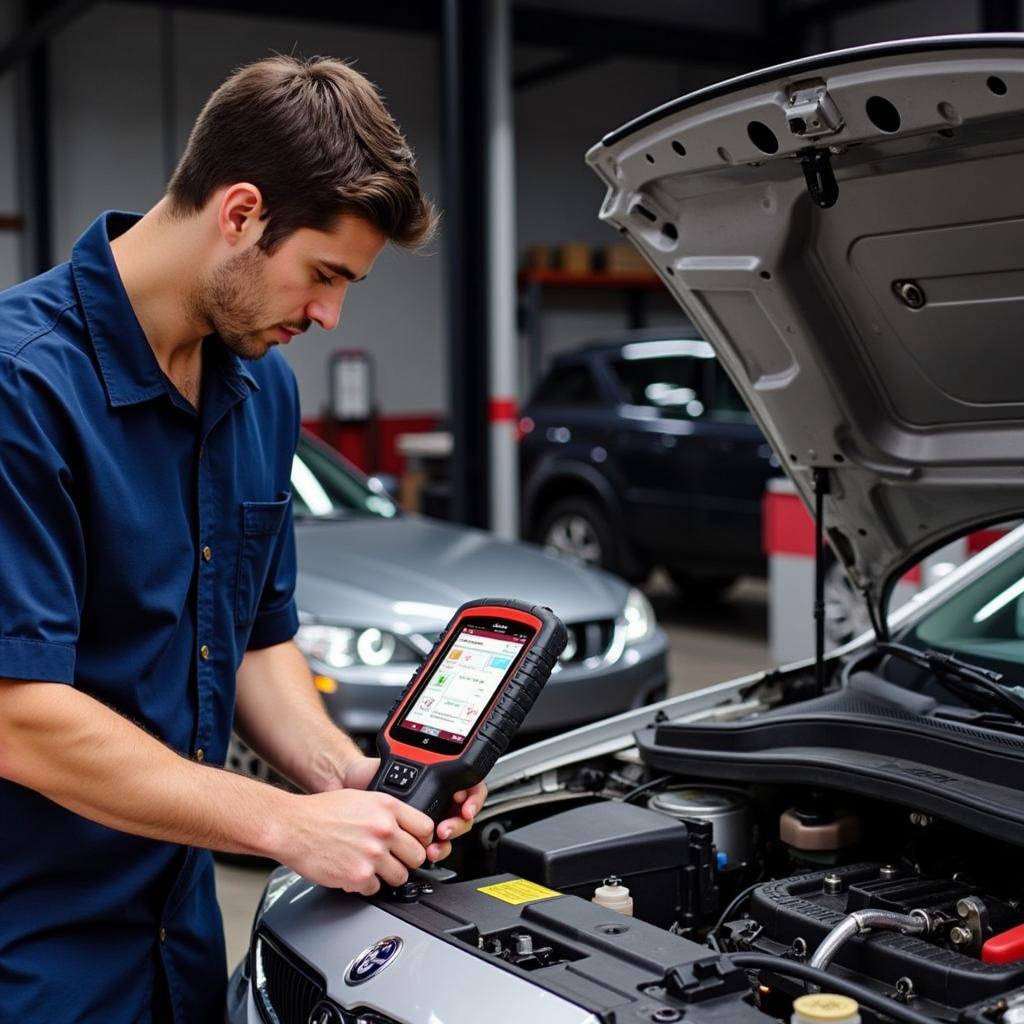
(461, 709)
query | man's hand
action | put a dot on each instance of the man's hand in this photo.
(352, 840)
(466, 803)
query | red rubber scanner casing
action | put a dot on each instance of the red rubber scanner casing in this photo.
(437, 776)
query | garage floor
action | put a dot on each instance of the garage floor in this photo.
(707, 645)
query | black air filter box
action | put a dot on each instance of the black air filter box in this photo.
(574, 852)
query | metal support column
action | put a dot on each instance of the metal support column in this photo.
(464, 198)
(29, 55)
(500, 231)
(35, 185)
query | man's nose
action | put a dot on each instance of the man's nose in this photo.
(326, 313)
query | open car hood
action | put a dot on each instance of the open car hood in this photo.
(847, 231)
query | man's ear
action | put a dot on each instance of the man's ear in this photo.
(240, 214)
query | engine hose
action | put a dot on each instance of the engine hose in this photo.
(830, 983)
(862, 921)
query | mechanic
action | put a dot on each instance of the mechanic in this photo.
(146, 595)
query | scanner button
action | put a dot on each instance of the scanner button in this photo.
(400, 775)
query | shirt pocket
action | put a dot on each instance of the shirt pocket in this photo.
(261, 525)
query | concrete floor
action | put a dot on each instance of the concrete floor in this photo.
(707, 644)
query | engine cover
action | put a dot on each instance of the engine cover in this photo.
(462, 954)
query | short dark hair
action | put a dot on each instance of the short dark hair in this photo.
(316, 139)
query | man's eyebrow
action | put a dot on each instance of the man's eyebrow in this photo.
(342, 271)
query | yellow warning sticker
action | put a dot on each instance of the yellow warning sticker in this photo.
(518, 891)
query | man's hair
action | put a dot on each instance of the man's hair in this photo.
(316, 139)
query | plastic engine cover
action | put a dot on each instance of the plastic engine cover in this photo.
(574, 852)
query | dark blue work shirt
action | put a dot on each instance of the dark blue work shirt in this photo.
(144, 547)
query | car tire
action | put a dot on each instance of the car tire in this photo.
(579, 527)
(703, 588)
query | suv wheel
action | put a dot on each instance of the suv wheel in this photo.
(579, 528)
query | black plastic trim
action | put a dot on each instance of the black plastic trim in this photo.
(969, 775)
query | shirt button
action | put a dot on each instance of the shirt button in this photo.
(200, 754)
(204, 652)
(163, 934)
(207, 553)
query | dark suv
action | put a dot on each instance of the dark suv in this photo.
(638, 452)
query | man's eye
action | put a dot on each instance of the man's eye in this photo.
(321, 279)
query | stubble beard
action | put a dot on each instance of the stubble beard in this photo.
(231, 299)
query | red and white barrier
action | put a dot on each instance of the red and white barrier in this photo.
(788, 538)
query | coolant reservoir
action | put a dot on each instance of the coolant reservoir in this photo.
(613, 895)
(825, 1008)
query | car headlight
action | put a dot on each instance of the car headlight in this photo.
(638, 616)
(343, 646)
(280, 881)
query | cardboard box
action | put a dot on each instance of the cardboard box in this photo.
(623, 258)
(575, 258)
(539, 257)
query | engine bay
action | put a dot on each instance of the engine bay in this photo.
(742, 896)
(704, 873)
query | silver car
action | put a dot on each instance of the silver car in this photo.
(839, 839)
(376, 586)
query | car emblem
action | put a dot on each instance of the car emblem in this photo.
(372, 961)
(325, 1013)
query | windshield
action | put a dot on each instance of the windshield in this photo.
(984, 623)
(324, 487)
(680, 379)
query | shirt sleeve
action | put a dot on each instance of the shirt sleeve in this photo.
(42, 548)
(277, 616)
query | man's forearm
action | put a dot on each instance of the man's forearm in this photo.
(82, 755)
(279, 713)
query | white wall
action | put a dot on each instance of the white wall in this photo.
(105, 118)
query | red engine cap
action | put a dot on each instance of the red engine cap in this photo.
(1004, 947)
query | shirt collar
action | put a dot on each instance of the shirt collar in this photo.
(127, 363)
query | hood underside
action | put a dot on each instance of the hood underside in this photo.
(847, 232)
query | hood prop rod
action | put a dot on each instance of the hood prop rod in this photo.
(821, 488)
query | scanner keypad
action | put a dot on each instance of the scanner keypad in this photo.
(401, 776)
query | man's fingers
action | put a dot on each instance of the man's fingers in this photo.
(410, 850)
(414, 822)
(392, 872)
(452, 828)
(438, 851)
(474, 800)
(366, 887)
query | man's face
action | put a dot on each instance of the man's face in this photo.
(254, 301)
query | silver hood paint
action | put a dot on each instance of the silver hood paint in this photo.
(435, 567)
(916, 413)
(430, 980)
